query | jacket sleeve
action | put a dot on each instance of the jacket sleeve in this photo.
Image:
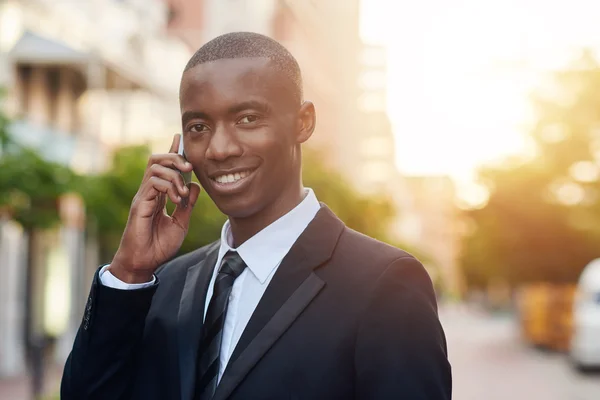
(102, 362)
(400, 346)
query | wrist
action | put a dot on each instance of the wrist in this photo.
(129, 276)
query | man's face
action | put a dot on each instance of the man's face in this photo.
(241, 133)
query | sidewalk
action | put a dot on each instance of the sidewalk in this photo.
(18, 388)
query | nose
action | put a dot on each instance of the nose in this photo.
(223, 144)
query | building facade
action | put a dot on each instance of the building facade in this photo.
(376, 171)
(324, 38)
(82, 78)
(430, 222)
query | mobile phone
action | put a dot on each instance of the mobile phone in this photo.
(187, 176)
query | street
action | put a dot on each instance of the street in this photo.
(490, 362)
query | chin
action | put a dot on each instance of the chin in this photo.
(237, 207)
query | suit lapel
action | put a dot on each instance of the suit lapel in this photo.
(190, 318)
(268, 335)
(291, 290)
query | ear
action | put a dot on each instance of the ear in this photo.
(307, 120)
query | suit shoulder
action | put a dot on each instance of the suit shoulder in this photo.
(369, 249)
(180, 264)
(369, 259)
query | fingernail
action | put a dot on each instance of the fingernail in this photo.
(187, 165)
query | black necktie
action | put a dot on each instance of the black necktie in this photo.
(212, 331)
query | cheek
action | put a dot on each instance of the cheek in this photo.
(273, 145)
(195, 154)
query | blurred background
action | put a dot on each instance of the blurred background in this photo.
(465, 131)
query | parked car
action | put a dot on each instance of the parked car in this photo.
(585, 340)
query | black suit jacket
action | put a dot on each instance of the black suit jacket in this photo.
(344, 317)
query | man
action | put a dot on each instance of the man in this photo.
(289, 303)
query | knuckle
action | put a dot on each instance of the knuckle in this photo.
(153, 159)
(168, 173)
(134, 204)
(156, 183)
(174, 161)
(174, 176)
(154, 168)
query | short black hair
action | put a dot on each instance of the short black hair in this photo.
(246, 45)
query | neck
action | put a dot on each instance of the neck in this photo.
(243, 229)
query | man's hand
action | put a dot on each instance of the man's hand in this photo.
(151, 236)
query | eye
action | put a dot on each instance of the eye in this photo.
(198, 128)
(248, 119)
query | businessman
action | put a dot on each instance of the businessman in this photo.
(289, 303)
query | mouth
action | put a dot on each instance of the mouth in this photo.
(233, 181)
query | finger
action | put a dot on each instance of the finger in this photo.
(170, 175)
(170, 160)
(182, 215)
(155, 186)
(175, 143)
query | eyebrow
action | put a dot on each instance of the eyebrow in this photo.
(189, 115)
(250, 104)
(235, 109)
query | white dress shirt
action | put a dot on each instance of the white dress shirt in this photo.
(262, 253)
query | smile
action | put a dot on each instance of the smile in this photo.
(232, 178)
(232, 183)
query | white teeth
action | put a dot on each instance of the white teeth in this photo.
(230, 178)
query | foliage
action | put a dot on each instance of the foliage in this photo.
(108, 198)
(29, 185)
(367, 214)
(542, 220)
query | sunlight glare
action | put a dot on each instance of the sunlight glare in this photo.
(461, 73)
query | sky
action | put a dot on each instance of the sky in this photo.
(460, 73)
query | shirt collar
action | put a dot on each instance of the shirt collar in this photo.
(263, 252)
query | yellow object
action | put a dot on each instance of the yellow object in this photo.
(546, 315)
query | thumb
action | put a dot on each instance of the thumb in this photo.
(182, 214)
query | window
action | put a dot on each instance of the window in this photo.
(373, 57)
(378, 146)
(377, 172)
(53, 81)
(372, 102)
(372, 79)
(24, 77)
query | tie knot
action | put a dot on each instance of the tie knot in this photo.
(232, 264)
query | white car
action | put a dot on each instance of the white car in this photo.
(585, 342)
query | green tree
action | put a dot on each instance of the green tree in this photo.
(541, 222)
(30, 186)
